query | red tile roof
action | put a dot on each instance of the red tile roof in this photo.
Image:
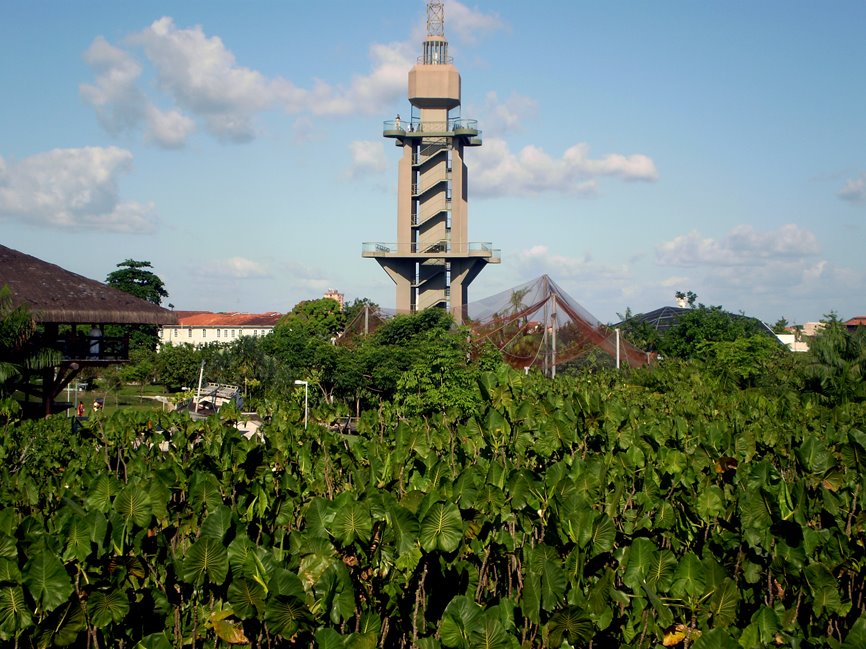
(208, 319)
(857, 321)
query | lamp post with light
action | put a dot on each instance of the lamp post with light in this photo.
(306, 401)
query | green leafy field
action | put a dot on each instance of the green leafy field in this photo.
(655, 510)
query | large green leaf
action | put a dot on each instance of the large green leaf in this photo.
(490, 634)
(711, 502)
(217, 523)
(14, 612)
(102, 491)
(77, 540)
(47, 580)
(441, 528)
(815, 456)
(63, 626)
(286, 615)
(569, 624)
(603, 535)
(856, 638)
(247, 598)
(461, 616)
(642, 555)
(661, 570)
(689, 578)
(105, 608)
(716, 639)
(204, 492)
(335, 596)
(352, 520)
(133, 505)
(206, 558)
(723, 603)
(545, 581)
(405, 527)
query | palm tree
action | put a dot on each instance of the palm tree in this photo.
(18, 357)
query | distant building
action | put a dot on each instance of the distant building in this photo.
(334, 294)
(199, 328)
(809, 328)
(793, 342)
(853, 323)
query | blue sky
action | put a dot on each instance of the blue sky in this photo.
(630, 149)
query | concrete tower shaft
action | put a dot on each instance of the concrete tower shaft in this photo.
(433, 262)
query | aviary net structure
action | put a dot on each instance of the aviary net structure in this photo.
(538, 324)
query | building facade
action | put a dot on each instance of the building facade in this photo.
(198, 328)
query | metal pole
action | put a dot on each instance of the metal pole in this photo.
(617, 347)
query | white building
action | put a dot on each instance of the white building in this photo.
(199, 328)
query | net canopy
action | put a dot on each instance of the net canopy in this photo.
(537, 324)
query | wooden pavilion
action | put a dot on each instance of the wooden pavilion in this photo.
(61, 302)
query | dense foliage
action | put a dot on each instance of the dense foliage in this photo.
(137, 278)
(678, 506)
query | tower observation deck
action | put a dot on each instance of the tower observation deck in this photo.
(433, 262)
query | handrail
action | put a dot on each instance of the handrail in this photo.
(416, 191)
(455, 125)
(474, 248)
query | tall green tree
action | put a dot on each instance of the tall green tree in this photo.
(18, 356)
(136, 278)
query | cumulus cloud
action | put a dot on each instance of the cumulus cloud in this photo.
(496, 171)
(469, 25)
(233, 268)
(72, 189)
(743, 246)
(511, 114)
(367, 158)
(854, 190)
(203, 84)
(538, 260)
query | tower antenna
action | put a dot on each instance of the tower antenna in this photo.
(435, 18)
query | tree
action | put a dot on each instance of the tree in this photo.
(18, 356)
(135, 278)
(781, 326)
(322, 318)
(689, 297)
(836, 366)
(706, 324)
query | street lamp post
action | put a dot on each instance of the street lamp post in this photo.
(306, 399)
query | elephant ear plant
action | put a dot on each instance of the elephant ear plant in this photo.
(665, 508)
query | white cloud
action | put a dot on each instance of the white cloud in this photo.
(503, 116)
(467, 24)
(854, 190)
(115, 97)
(497, 171)
(538, 260)
(233, 268)
(743, 246)
(74, 189)
(200, 79)
(368, 157)
(372, 93)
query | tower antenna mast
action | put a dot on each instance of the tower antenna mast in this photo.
(435, 18)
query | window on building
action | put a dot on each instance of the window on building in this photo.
(175, 333)
(189, 332)
(218, 333)
(203, 332)
(233, 333)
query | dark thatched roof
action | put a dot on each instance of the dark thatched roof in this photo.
(57, 295)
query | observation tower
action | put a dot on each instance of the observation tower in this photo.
(433, 262)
